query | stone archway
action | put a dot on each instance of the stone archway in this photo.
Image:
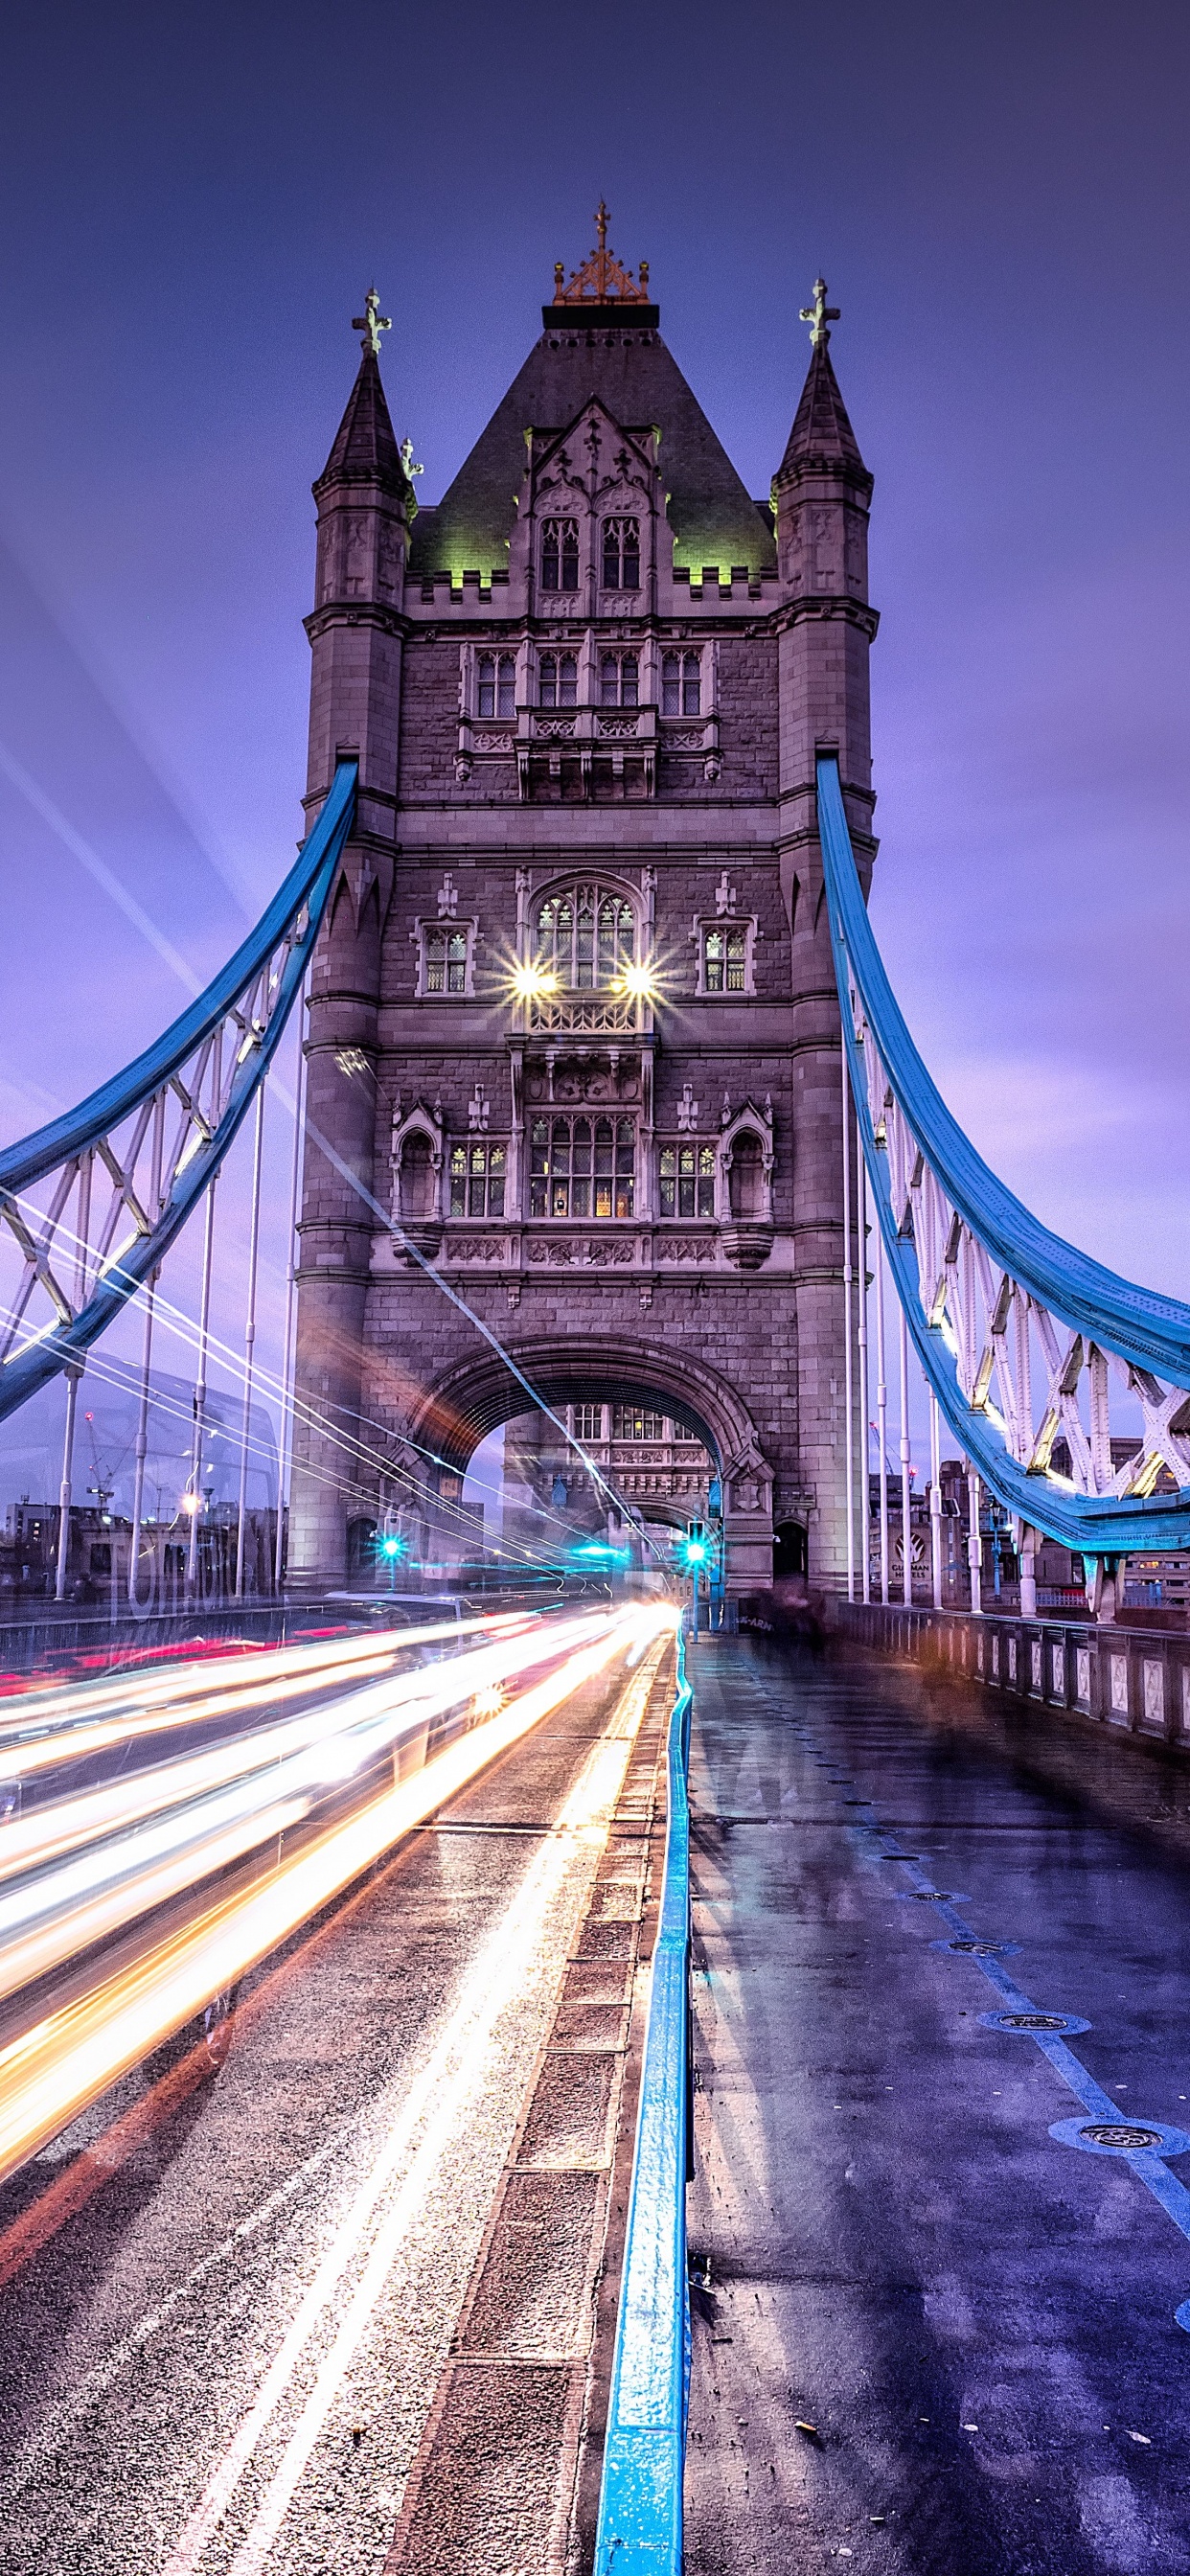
(477, 1393)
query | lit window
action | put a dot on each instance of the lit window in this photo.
(558, 680)
(585, 937)
(587, 1424)
(497, 684)
(559, 554)
(621, 554)
(687, 1180)
(445, 960)
(618, 680)
(725, 959)
(477, 1179)
(681, 684)
(632, 1422)
(581, 1167)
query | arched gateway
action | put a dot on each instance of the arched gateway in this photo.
(573, 1023)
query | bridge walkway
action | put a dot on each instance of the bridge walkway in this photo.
(976, 2319)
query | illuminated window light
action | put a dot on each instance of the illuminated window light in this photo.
(529, 983)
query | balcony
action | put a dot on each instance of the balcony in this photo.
(583, 748)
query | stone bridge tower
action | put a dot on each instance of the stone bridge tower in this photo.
(573, 1023)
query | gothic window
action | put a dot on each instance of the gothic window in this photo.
(618, 680)
(445, 959)
(683, 1432)
(587, 1421)
(634, 1422)
(687, 1180)
(417, 1177)
(681, 684)
(497, 684)
(581, 1167)
(725, 958)
(621, 554)
(477, 1173)
(746, 1180)
(558, 680)
(559, 554)
(585, 937)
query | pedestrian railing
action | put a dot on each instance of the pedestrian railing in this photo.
(1137, 1679)
(640, 2502)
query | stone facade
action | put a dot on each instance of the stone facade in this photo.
(573, 1032)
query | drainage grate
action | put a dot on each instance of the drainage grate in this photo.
(1068, 2024)
(980, 1949)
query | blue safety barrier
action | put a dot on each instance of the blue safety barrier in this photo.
(1148, 1331)
(640, 2499)
(293, 917)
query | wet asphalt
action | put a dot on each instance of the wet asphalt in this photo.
(198, 2245)
(936, 2336)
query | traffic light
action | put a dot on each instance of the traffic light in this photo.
(695, 1545)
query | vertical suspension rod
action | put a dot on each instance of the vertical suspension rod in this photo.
(200, 1387)
(848, 1403)
(285, 1441)
(249, 1337)
(865, 1480)
(974, 1552)
(906, 1543)
(935, 1499)
(882, 1413)
(72, 1379)
(142, 1418)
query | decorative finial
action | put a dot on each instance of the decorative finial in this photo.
(410, 469)
(818, 314)
(371, 322)
(601, 279)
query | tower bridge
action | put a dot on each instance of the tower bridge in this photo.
(485, 2087)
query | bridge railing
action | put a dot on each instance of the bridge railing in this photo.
(1136, 1680)
(1067, 1387)
(640, 2503)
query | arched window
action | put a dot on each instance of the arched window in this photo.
(581, 1167)
(445, 951)
(496, 676)
(681, 684)
(557, 680)
(619, 680)
(747, 1177)
(417, 1177)
(585, 937)
(621, 554)
(559, 554)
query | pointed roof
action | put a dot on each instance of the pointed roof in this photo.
(620, 358)
(365, 448)
(821, 430)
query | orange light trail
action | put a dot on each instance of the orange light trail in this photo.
(72, 2056)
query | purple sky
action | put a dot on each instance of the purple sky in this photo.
(193, 205)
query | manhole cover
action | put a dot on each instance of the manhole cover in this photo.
(1121, 2137)
(1067, 2023)
(1120, 2133)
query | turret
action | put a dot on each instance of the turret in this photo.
(365, 506)
(821, 494)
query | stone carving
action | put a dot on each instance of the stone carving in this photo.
(747, 1495)
(684, 1247)
(557, 1255)
(494, 741)
(688, 1109)
(610, 1251)
(477, 1248)
(724, 896)
(478, 1109)
(448, 898)
(711, 768)
(688, 740)
(618, 727)
(462, 768)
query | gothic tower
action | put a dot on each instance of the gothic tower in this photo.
(573, 1024)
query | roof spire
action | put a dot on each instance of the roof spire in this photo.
(818, 314)
(372, 322)
(601, 278)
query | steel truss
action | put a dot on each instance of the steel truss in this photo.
(1024, 1340)
(93, 1202)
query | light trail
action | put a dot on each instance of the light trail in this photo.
(437, 2105)
(62, 1909)
(75, 1735)
(70, 2058)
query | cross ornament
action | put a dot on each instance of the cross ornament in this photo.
(818, 314)
(371, 322)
